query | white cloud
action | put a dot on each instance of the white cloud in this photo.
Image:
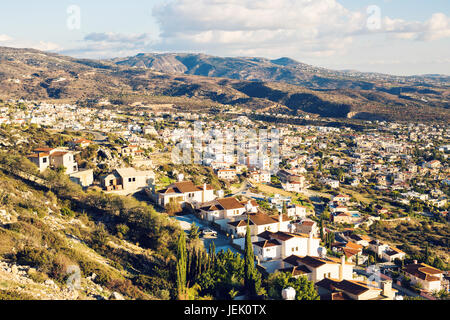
(5, 38)
(278, 27)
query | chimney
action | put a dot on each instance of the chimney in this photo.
(386, 286)
(310, 240)
(341, 268)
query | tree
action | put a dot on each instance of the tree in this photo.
(278, 281)
(249, 264)
(194, 232)
(321, 229)
(181, 265)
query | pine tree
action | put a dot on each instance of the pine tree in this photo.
(181, 265)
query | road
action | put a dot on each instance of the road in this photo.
(221, 242)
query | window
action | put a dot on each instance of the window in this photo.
(44, 160)
(129, 179)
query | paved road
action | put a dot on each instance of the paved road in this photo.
(221, 241)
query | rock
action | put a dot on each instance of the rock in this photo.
(49, 282)
(31, 271)
(14, 269)
(116, 296)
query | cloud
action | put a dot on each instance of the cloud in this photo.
(279, 27)
(437, 27)
(5, 38)
(117, 37)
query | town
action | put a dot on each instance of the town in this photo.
(360, 211)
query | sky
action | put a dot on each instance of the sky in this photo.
(402, 37)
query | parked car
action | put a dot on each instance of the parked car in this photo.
(209, 232)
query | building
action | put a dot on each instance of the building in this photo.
(280, 245)
(128, 179)
(186, 192)
(80, 143)
(219, 209)
(64, 159)
(44, 158)
(333, 289)
(84, 178)
(307, 227)
(429, 278)
(259, 222)
(319, 268)
(227, 174)
(41, 160)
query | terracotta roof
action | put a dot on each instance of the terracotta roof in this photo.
(423, 271)
(230, 203)
(267, 243)
(186, 186)
(38, 155)
(261, 219)
(43, 149)
(240, 223)
(59, 153)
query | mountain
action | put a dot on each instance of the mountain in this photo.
(191, 82)
(279, 70)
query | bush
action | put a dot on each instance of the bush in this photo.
(37, 258)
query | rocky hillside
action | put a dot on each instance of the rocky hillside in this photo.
(189, 82)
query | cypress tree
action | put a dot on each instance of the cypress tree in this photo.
(249, 263)
(181, 265)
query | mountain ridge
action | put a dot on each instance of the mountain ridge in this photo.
(36, 75)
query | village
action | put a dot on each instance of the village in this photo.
(310, 197)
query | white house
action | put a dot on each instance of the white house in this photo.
(429, 278)
(186, 192)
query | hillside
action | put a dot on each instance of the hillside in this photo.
(187, 84)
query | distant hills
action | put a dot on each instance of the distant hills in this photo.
(278, 70)
(193, 81)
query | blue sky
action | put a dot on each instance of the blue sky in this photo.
(407, 37)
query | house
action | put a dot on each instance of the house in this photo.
(296, 211)
(288, 176)
(333, 289)
(341, 198)
(362, 240)
(259, 177)
(352, 251)
(378, 248)
(84, 178)
(227, 174)
(80, 143)
(307, 227)
(128, 179)
(343, 217)
(428, 277)
(219, 209)
(41, 160)
(432, 164)
(186, 192)
(65, 159)
(294, 186)
(393, 253)
(319, 268)
(280, 245)
(259, 222)
(251, 205)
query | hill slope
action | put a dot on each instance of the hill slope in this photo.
(35, 75)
